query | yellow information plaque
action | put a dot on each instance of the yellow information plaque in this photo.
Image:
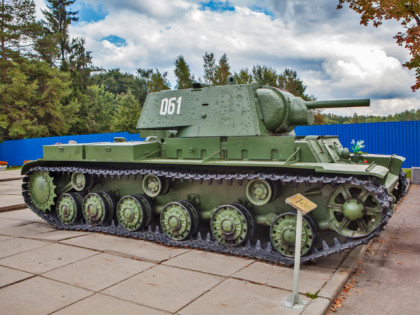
(301, 203)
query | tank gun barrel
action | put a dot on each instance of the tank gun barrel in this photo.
(338, 103)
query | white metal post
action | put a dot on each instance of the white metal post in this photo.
(294, 300)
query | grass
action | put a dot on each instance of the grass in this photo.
(12, 168)
(407, 172)
(313, 296)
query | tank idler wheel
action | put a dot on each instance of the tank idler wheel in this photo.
(230, 225)
(98, 208)
(69, 208)
(81, 181)
(353, 211)
(259, 192)
(179, 220)
(133, 212)
(42, 190)
(154, 186)
(283, 234)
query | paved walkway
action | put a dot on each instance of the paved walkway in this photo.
(8, 175)
(44, 271)
(387, 280)
(10, 190)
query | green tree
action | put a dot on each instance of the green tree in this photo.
(17, 30)
(127, 114)
(222, 71)
(290, 82)
(156, 81)
(16, 104)
(33, 101)
(406, 12)
(94, 111)
(58, 19)
(209, 68)
(81, 66)
(117, 83)
(264, 75)
(184, 79)
(319, 118)
(243, 77)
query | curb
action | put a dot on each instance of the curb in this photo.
(336, 283)
(13, 207)
(10, 179)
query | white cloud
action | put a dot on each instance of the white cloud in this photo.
(334, 56)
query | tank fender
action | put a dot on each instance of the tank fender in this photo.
(28, 165)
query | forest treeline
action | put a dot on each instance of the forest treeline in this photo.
(49, 85)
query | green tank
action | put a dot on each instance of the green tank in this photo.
(214, 171)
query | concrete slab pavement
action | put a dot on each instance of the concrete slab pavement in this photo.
(388, 275)
(102, 273)
(106, 305)
(126, 247)
(11, 193)
(10, 175)
(143, 276)
(12, 187)
(39, 296)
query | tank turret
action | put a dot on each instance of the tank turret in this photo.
(230, 110)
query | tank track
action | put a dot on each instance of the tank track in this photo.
(256, 250)
(402, 185)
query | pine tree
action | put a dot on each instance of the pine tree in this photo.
(33, 101)
(184, 79)
(59, 17)
(17, 29)
(81, 67)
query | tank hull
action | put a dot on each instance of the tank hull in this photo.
(218, 184)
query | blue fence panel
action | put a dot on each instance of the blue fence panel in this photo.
(401, 138)
(14, 152)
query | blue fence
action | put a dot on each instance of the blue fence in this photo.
(14, 152)
(401, 138)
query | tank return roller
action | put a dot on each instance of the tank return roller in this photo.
(338, 103)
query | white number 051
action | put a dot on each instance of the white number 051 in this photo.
(168, 105)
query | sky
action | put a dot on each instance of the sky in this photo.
(334, 56)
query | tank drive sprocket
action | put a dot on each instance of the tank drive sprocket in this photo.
(42, 190)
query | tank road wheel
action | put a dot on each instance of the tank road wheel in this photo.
(230, 225)
(69, 208)
(249, 216)
(154, 186)
(259, 192)
(133, 212)
(179, 220)
(97, 208)
(42, 190)
(80, 181)
(283, 234)
(353, 211)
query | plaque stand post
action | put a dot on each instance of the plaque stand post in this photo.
(303, 205)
